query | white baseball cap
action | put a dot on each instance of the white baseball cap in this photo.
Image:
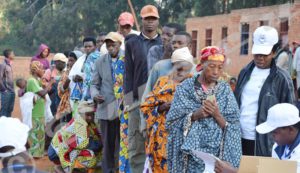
(182, 54)
(279, 115)
(264, 38)
(13, 133)
(60, 57)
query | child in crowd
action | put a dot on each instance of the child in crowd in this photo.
(21, 83)
(28, 100)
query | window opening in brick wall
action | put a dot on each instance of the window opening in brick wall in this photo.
(194, 43)
(208, 37)
(263, 23)
(244, 39)
(284, 27)
(224, 37)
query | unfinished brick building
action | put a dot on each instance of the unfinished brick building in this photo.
(233, 31)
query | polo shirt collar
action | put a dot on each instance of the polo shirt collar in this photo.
(146, 37)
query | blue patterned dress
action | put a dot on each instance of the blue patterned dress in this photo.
(88, 69)
(203, 135)
(118, 78)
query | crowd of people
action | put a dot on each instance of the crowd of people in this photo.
(139, 102)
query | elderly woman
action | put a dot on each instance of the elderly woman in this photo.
(64, 109)
(204, 116)
(157, 105)
(37, 133)
(77, 144)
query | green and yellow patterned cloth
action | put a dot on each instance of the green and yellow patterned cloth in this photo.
(71, 144)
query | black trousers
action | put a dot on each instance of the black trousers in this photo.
(248, 147)
(110, 134)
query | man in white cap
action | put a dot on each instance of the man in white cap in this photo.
(283, 123)
(260, 85)
(13, 138)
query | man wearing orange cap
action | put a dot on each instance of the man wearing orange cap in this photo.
(125, 24)
(136, 75)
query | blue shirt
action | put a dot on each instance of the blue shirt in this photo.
(154, 55)
(161, 68)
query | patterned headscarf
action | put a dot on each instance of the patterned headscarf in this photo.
(85, 107)
(35, 66)
(213, 53)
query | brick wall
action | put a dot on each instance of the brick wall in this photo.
(233, 21)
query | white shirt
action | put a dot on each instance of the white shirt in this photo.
(26, 105)
(296, 62)
(249, 100)
(295, 156)
(76, 70)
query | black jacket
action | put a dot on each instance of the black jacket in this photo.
(278, 88)
(136, 69)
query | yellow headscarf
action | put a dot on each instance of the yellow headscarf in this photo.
(35, 66)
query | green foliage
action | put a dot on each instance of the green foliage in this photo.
(62, 24)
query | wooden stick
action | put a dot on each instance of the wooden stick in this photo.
(134, 16)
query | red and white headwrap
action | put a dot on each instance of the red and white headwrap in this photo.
(212, 53)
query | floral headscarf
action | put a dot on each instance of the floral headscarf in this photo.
(210, 53)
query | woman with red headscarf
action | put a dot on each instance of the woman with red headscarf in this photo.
(204, 116)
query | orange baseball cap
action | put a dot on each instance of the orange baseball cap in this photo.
(126, 18)
(149, 11)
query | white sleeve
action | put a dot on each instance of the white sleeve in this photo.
(26, 105)
(76, 69)
(297, 59)
(274, 155)
(103, 49)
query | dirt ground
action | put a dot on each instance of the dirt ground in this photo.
(21, 69)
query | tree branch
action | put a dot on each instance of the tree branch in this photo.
(33, 4)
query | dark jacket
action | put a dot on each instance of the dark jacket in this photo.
(6, 77)
(136, 68)
(278, 88)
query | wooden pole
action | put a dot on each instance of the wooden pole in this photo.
(134, 16)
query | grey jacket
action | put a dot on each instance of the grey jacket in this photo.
(278, 88)
(102, 84)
